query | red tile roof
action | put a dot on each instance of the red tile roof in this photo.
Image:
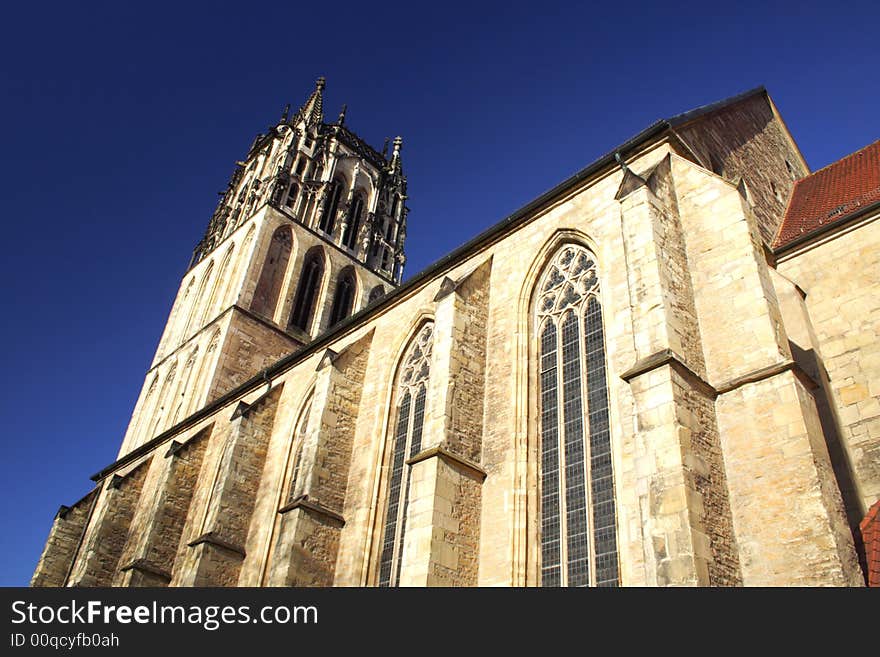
(831, 194)
(870, 527)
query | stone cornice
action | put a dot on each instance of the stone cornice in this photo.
(673, 360)
(314, 507)
(453, 459)
(212, 539)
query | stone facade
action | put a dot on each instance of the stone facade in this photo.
(261, 454)
(835, 319)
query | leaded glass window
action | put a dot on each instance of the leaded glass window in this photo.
(344, 299)
(578, 536)
(328, 219)
(308, 289)
(407, 442)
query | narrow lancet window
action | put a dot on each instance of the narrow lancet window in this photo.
(272, 275)
(353, 223)
(299, 437)
(406, 437)
(343, 300)
(307, 292)
(328, 219)
(578, 536)
(292, 195)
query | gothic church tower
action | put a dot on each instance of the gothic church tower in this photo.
(309, 230)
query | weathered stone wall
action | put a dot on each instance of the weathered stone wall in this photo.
(733, 292)
(460, 526)
(714, 539)
(98, 558)
(307, 540)
(748, 360)
(249, 345)
(308, 544)
(467, 365)
(218, 549)
(805, 351)
(703, 468)
(442, 507)
(665, 336)
(157, 525)
(669, 239)
(841, 279)
(789, 520)
(748, 141)
(63, 542)
(326, 465)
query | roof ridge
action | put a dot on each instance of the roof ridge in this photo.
(677, 119)
(838, 161)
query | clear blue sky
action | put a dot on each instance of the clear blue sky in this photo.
(121, 122)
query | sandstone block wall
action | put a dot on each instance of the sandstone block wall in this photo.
(840, 277)
(218, 549)
(157, 525)
(98, 557)
(63, 542)
(748, 141)
(249, 345)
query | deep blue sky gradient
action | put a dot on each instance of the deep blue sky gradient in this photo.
(121, 122)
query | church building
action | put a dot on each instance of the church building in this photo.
(665, 371)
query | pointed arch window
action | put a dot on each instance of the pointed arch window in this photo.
(299, 436)
(292, 194)
(353, 222)
(390, 226)
(406, 442)
(215, 298)
(182, 304)
(272, 276)
(308, 289)
(343, 300)
(578, 535)
(328, 219)
(198, 300)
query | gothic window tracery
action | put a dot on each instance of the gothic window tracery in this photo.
(343, 300)
(292, 195)
(406, 442)
(578, 536)
(353, 222)
(308, 289)
(198, 301)
(328, 218)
